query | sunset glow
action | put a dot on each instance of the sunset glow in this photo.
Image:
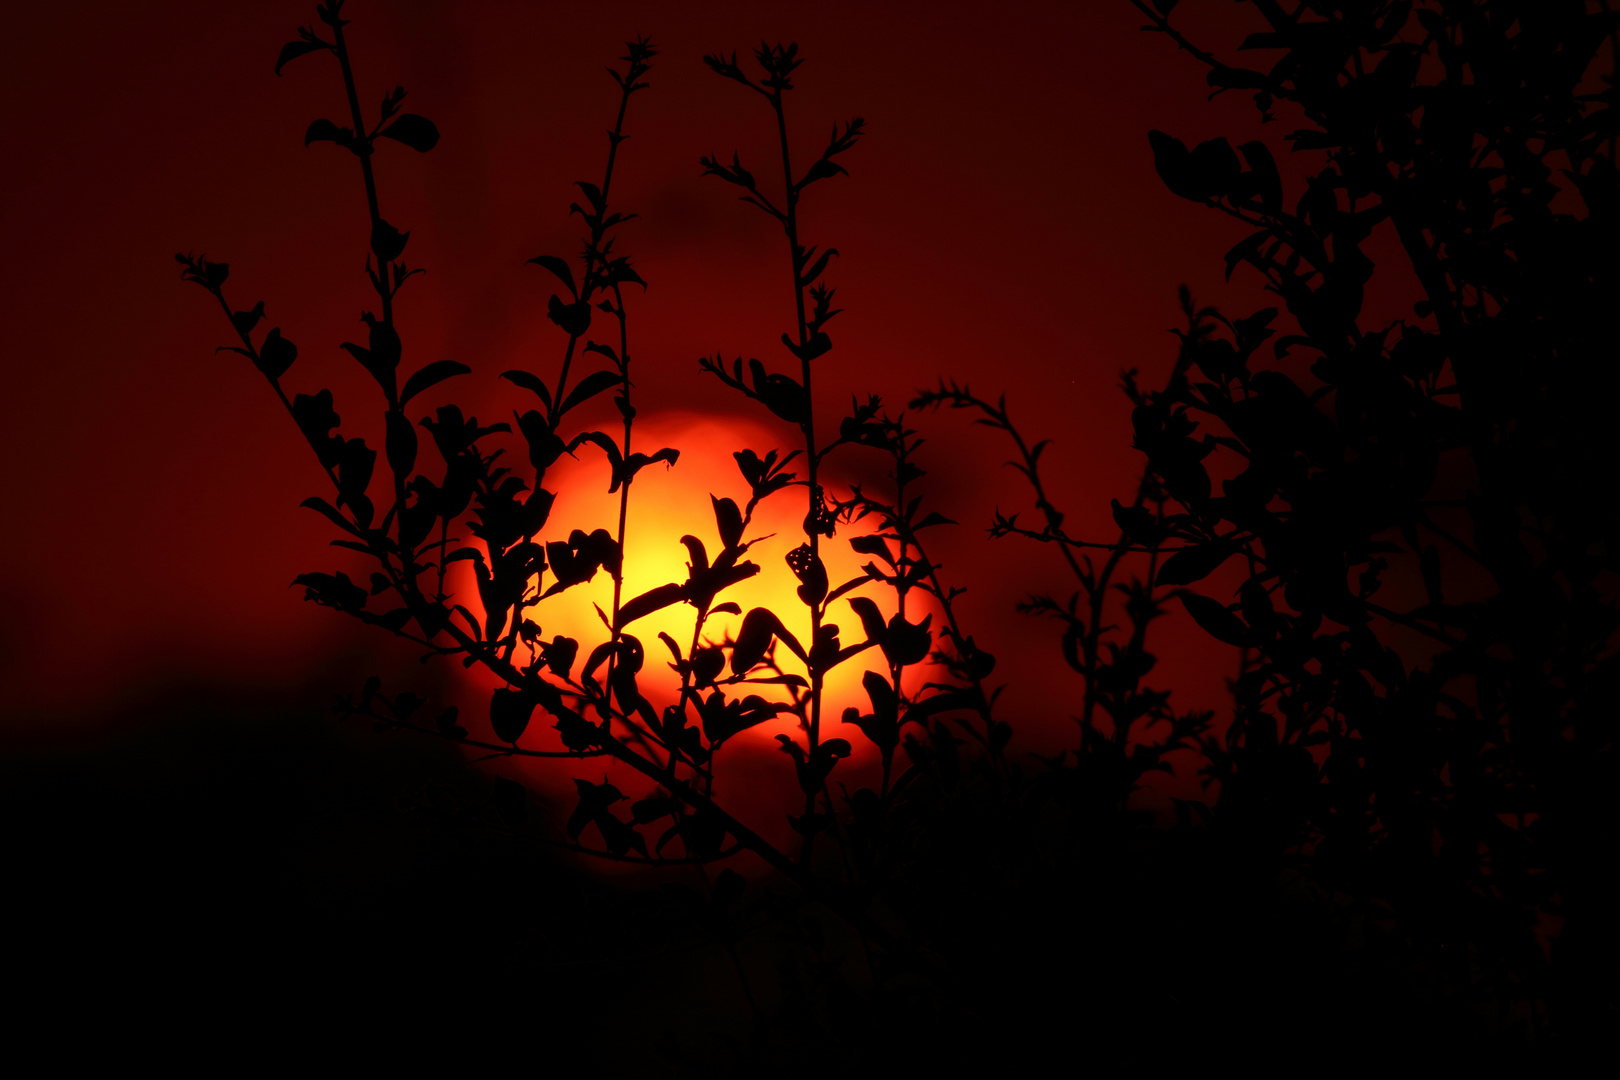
(741, 538)
(669, 503)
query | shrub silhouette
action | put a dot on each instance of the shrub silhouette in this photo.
(1418, 513)
(1446, 802)
(593, 692)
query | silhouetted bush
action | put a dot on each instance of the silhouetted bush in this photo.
(1378, 815)
(1416, 515)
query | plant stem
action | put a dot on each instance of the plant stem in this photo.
(808, 426)
(364, 154)
(593, 252)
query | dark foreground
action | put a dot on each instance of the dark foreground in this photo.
(232, 882)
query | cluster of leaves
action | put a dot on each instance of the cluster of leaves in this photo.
(1419, 514)
(1416, 515)
(414, 543)
(490, 509)
(1127, 727)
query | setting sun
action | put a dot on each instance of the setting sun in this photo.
(668, 503)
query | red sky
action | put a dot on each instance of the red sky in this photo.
(1002, 225)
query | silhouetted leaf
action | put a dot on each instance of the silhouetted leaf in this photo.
(325, 509)
(668, 455)
(619, 271)
(356, 463)
(316, 419)
(276, 354)
(872, 545)
(707, 663)
(245, 321)
(293, 50)
(821, 169)
(820, 264)
(1267, 181)
(781, 394)
(882, 725)
(589, 387)
(574, 318)
(544, 445)
(818, 344)
(509, 712)
(722, 719)
(435, 373)
(1171, 160)
(728, 521)
(531, 383)
(594, 799)
(560, 268)
(1244, 250)
(1216, 621)
(578, 734)
(871, 618)
(698, 554)
(327, 131)
(1135, 522)
(416, 132)
(907, 642)
(446, 723)
(332, 590)
(387, 242)
(608, 447)
(650, 601)
(559, 655)
(593, 194)
(1194, 563)
(605, 350)
(754, 637)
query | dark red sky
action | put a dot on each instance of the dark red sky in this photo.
(1003, 225)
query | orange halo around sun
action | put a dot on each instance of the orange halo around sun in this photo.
(668, 503)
